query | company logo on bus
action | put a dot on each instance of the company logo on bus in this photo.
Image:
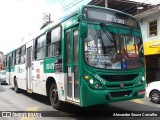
(121, 85)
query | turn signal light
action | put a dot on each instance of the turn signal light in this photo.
(86, 77)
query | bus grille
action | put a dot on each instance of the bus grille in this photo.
(119, 78)
(120, 94)
(118, 86)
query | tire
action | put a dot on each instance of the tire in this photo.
(155, 96)
(54, 99)
(16, 89)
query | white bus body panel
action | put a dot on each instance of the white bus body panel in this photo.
(20, 75)
(38, 78)
(59, 78)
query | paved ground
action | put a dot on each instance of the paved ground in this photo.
(25, 102)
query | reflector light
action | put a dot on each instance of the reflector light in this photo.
(141, 92)
(96, 86)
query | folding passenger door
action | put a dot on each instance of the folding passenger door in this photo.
(29, 69)
(72, 50)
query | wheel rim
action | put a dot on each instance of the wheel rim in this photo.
(54, 95)
(155, 97)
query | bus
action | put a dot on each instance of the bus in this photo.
(92, 56)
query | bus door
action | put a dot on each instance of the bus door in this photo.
(10, 61)
(8, 67)
(72, 50)
(29, 69)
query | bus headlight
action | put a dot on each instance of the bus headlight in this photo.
(91, 81)
(143, 78)
(139, 82)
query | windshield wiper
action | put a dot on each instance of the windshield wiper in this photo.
(107, 33)
(99, 36)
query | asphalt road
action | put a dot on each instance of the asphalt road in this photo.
(24, 103)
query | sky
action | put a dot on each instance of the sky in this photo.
(20, 18)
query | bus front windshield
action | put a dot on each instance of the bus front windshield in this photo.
(112, 50)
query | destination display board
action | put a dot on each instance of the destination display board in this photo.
(108, 16)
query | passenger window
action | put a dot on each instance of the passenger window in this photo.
(54, 42)
(40, 47)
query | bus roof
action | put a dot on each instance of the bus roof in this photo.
(60, 20)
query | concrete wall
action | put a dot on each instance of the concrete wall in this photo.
(144, 23)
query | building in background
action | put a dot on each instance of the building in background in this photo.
(2, 61)
(150, 26)
(128, 6)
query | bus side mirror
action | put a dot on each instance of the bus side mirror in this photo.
(83, 29)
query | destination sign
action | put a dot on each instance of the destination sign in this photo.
(110, 16)
(102, 59)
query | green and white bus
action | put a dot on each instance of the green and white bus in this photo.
(92, 56)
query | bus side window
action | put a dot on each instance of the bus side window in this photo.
(48, 44)
(13, 58)
(23, 54)
(54, 42)
(40, 47)
(17, 56)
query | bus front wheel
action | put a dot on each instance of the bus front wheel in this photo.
(54, 99)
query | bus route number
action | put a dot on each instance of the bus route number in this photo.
(50, 66)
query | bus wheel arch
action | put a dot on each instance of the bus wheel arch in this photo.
(52, 93)
(48, 84)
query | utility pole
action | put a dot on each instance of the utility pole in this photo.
(106, 3)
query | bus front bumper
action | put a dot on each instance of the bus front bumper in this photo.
(93, 97)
